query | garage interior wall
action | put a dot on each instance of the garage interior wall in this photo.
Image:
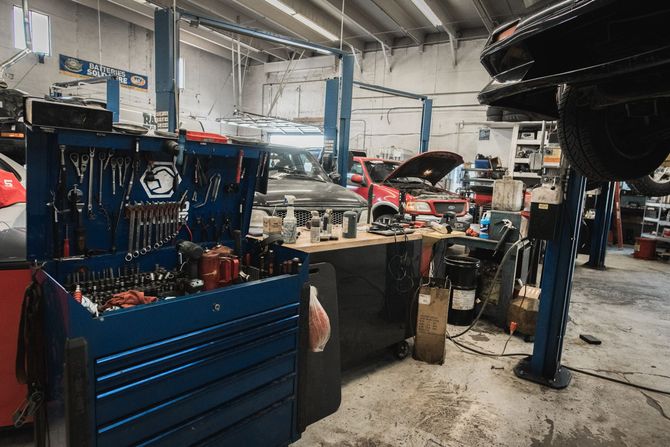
(74, 32)
(386, 125)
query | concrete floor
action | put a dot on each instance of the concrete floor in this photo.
(473, 400)
(477, 401)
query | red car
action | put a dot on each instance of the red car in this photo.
(417, 177)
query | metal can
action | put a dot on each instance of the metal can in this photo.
(349, 222)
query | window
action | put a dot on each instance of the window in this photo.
(181, 74)
(295, 165)
(40, 31)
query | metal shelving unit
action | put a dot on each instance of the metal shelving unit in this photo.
(656, 218)
(520, 146)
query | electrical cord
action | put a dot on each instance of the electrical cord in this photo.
(612, 379)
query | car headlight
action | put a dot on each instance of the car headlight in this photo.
(419, 207)
(256, 223)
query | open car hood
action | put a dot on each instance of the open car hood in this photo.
(431, 166)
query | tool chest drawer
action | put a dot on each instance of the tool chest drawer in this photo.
(163, 324)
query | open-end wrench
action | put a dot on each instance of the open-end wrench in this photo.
(89, 205)
(138, 229)
(104, 162)
(83, 165)
(125, 162)
(147, 227)
(175, 229)
(145, 219)
(131, 231)
(168, 222)
(114, 163)
(154, 226)
(74, 158)
(163, 219)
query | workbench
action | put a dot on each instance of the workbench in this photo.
(374, 291)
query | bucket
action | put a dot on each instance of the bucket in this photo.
(462, 271)
(645, 248)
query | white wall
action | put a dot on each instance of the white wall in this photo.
(74, 31)
(378, 125)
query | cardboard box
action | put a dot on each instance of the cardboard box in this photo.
(431, 326)
(523, 310)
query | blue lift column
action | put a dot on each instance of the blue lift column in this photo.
(346, 92)
(544, 366)
(330, 116)
(114, 97)
(166, 50)
(601, 227)
(426, 117)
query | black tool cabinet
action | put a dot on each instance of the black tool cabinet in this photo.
(220, 367)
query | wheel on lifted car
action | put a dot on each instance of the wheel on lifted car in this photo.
(608, 143)
(656, 184)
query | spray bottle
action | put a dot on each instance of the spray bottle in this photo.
(315, 228)
(327, 225)
(289, 228)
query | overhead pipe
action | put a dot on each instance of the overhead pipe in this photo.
(29, 42)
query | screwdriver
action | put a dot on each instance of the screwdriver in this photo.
(66, 243)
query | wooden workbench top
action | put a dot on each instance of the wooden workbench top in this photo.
(363, 239)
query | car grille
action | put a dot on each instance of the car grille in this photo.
(445, 207)
(304, 216)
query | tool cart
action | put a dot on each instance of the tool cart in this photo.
(162, 325)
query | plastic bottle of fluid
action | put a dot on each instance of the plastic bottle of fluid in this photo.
(327, 226)
(485, 222)
(289, 228)
(315, 228)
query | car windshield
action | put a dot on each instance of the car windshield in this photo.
(298, 165)
(379, 170)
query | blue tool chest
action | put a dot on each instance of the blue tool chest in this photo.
(195, 367)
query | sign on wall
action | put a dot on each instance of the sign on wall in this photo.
(81, 68)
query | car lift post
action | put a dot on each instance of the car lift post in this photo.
(346, 87)
(426, 117)
(601, 227)
(166, 44)
(544, 366)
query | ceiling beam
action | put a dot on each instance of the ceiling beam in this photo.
(354, 19)
(438, 8)
(143, 16)
(268, 13)
(398, 15)
(483, 13)
(212, 8)
(316, 15)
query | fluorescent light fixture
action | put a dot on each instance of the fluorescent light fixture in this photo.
(302, 19)
(282, 7)
(427, 12)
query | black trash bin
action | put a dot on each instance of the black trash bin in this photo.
(462, 271)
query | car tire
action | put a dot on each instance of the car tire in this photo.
(656, 184)
(494, 114)
(607, 145)
(514, 117)
(385, 217)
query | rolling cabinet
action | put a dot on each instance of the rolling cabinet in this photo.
(207, 367)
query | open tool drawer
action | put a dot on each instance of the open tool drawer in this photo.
(206, 367)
